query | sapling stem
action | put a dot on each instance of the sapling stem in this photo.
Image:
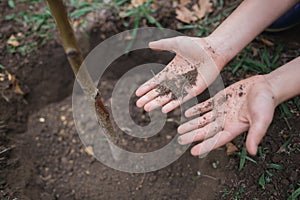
(75, 58)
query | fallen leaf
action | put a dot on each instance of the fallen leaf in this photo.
(231, 149)
(20, 35)
(137, 3)
(198, 11)
(266, 41)
(202, 8)
(255, 51)
(12, 40)
(10, 77)
(15, 83)
(185, 15)
(89, 150)
(17, 89)
(184, 2)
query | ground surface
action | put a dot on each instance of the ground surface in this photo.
(42, 157)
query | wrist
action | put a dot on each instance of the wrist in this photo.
(273, 83)
(213, 49)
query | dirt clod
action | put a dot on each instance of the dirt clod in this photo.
(178, 85)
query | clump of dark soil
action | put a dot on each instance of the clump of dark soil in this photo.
(178, 85)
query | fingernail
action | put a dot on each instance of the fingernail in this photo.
(179, 140)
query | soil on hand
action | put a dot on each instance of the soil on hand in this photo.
(178, 85)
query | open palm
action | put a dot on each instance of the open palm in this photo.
(187, 75)
(246, 105)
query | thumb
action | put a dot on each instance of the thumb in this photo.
(164, 44)
(255, 134)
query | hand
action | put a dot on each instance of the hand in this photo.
(195, 66)
(246, 105)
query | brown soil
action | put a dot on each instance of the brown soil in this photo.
(178, 85)
(42, 157)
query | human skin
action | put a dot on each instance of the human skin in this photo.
(240, 28)
(246, 105)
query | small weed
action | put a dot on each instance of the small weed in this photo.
(262, 152)
(262, 181)
(143, 11)
(2, 66)
(39, 23)
(295, 194)
(287, 147)
(215, 164)
(11, 4)
(239, 193)
(137, 14)
(266, 177)
(225, 192)
(243, 157)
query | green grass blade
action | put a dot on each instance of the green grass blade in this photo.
(242, 158)
(11, 4)
(294, 195)
(2, 66)
(262, 181)
(286, 111)
(276, 166)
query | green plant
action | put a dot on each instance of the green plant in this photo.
(238, 193)
(137, 14)
(39, 23)
(295, 194)
(143, 11)
(266, 63)
(11, 4)
(243, 157)
(266, 176)
(2, 66)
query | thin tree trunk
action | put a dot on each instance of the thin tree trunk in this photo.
(69, 42)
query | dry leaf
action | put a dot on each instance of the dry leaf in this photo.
(266, 41)
(17, 88)
(231, 149)
(15, 83)
(198, 10)
(205, 7)
(89, 150)
(184, 3)
(12, 40)
(137, 3)
(77, 23)
(185, 15)
(20, 35)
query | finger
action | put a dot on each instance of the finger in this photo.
(147, 98)
(175, 103)
(152, 83)
(200, 134)
(256, 133)
(196, 123)
(168, 44)
(157, 102)
(210, 144)
(192, 92)
(200, 108)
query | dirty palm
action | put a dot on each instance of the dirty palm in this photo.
(224, 116)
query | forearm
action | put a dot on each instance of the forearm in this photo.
(285, 81)
(244, 24)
